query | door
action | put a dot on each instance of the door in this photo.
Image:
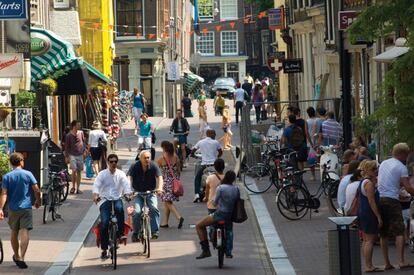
(146, 88)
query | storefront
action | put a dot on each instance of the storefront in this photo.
(214, 67)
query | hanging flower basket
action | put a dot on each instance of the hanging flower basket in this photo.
(49, 86)
(4, 112)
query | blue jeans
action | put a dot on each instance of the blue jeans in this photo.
(197, 179)
(105, 215)
(154, 213)
(229, 232)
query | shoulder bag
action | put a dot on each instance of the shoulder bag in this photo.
(239, 214)
(178, 189)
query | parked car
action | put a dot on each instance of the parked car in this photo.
(225, 86)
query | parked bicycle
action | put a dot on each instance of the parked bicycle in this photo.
(294, 199)
(52, 192)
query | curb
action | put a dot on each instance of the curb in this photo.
(62, 264)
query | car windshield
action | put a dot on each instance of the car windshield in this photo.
(224, 81)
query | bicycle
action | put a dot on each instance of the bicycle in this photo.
(1, 251)
(294, 199)
(145, 231)
(207, 171)
(219, 240)
(63, 174)
(178, 150)
(270, 171)
(51, 194)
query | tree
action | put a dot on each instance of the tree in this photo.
(395, 113)
(263, 4)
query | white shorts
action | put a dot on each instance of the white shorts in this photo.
(137, 113)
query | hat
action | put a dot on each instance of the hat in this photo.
(258, 83)
(96, 125)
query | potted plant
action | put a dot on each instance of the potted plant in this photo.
(25, 99)
(4, 162)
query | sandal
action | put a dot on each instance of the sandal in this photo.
(79, 192)
(72, 190)
(391, 267)
(375, 269)
(406, 266)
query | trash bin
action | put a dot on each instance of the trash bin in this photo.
(344, 248)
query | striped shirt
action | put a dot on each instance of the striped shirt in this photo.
(331, 132)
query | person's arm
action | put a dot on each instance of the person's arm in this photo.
(220, 152)
(405, 182)
(218, 195)
(96, 187)
(3, 199)
(160, 181)
(89, 141)
(207, 192)
(36, 192)
(172, 128)
(126, 187)
(370, 191)
(308, 138)
(187, 126)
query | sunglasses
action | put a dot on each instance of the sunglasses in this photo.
(113, 161)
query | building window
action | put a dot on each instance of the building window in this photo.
(205, 43)
(229, 43)
(129, 18)
(233, 71)
(228, 9)
(265, 36)
(205, 9)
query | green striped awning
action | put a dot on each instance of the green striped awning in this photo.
(59, 57)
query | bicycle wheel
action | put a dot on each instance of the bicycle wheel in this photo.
(332, 197)
(55, 205)
(65, 188)
(220, 253)
(1, 252)
(113, 242)
(46, 205)
(262, 178)
(292, 202)
(148, 236)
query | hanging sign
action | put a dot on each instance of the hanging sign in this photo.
(173, 71)
(276, 19)
(13, 9)
(61, 4)
(11, 65)
(346, 18)
(291, 66)
(39, 44)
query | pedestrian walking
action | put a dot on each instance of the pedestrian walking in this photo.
(257, 99)
(17, 188)
(146, 129)
(201, 97)
(331, 131)
(369, 217)
(96, 141)
(293, 137)
(218, 104)
(393, 175)
(202, 117)
(311, 125)
(145, 175)
(186, 106)
(226, 126)
(75, 150)
(239, 100)
(248, 88)
(303, 149)
(170, 168)
(225, 199)
(110, 185)
(138, 107)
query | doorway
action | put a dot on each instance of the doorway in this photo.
(146, 88)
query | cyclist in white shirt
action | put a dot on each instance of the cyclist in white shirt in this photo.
(110, 185)
(210, 151)
(239, 100)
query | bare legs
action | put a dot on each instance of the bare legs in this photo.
(399, 244)
(76, 179)
(367, 249)
(169, 207)
(201, 227)
(24, 243)
(96, 167)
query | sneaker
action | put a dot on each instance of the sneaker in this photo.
(229, 256)
(196, 198)
(104, 255)
(155, 235)
(134, 238)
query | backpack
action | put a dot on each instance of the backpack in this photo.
(297, 138)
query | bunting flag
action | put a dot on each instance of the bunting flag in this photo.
(177, 35)
(218, 28)
(247, 19)
(82, 23)
(204, 30)
(96, 25)
(191, 33)
(111, 27)
(262, 14)
(232, 24)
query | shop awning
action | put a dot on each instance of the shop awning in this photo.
(394, 52)
(192, 82)
(54, 57)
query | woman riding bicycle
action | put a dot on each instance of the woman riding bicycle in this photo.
(110, 185)
(180, 128)
(226, 196)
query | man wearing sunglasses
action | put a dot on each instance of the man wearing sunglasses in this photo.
(110, 185)
(145, 175)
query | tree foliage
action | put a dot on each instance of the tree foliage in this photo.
(263, 4)
(395, 110)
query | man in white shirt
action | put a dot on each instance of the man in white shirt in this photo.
(393, 175)
(210, 151)
(110, 185)
(239, 99)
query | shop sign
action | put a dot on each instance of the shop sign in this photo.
(39, 44)
(276, 19)
(291, 66)
(279, 55)
(61, 4)
(13, 9)
(173, 71)
(354, 3)
(11, 65)
(274, 64)
(346, 18)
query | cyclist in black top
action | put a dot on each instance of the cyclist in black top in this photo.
(186, 106)
(180, 128)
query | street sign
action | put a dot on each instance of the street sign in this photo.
(273, 64)
(173, 71)
(291, 66)
(13, 9)
(346, 18)
(11, 65)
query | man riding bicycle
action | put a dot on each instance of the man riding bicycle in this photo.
(145, 175)
(180, 128)
(210, 151)
(110, 185)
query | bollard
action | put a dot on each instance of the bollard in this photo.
(344, 248)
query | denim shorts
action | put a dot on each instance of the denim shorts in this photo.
(218, 216)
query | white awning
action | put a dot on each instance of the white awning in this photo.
(391, 54)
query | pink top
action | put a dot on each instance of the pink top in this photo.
(213, 181)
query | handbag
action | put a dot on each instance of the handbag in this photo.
(239, 214)
(102, 143)
(177, 186)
